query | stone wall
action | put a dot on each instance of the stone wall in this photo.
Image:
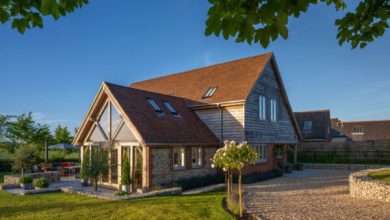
(361, 186)
(341, 166)
(51, 176)
(162, 171)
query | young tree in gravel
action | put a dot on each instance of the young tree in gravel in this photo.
(98, 164)
(23, 158)
(235, 157)
(125, 174)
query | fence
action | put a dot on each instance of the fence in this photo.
(369, 152)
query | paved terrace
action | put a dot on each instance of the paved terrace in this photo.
(311, 194)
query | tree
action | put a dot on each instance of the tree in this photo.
(125, 174)
(260, 21)
(62, 135)
(4, 123)
(23, 158)
(29, 13)
(97, 165)
(234, 157)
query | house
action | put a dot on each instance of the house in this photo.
(315, 125)
(171, 126)
(363, 130)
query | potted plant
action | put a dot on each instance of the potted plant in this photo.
(40, 183)
(25, 182)
(299, 166)
(288, 168)
(125, 175)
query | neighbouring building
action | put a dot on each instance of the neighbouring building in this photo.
(315, 125)
(171, 126)
(363, 130)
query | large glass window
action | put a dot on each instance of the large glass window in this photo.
(114, 166)
(179, 158)
(196, 157)
(261, 153)
(262, 108)
(116, 120)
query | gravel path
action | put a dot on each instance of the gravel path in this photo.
(311, 194)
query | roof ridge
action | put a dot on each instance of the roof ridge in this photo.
(365, 121)
(204, 67)
(144, 91)
(321, 110)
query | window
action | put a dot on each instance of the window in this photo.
(307, 126)
(261, 153)
(154, 105)
(210, 92)
(274, 110)
(358, 130)
(196, 156)
(170, 108)
(179, 158)
(262, 108)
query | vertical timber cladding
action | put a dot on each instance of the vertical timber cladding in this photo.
(233, 122)
(256, 130)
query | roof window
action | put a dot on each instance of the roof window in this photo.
(307, 125)
(210, 92)
(154, 105)
(170, 108)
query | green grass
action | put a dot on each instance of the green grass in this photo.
(2, 176)
(383, 175)
(71, 206)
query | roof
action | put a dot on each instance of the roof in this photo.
(320, 128)
(234, 81)
(161, 128)
(372, 130)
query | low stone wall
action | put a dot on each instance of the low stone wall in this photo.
(361, 186)
(51, 176)
(318, 166)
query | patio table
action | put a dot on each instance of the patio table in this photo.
(72, 170)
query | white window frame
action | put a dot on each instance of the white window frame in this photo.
(358, 130)
(274, 110)
(262, 153)
(180, 164)
(198, 157)
(262, 108)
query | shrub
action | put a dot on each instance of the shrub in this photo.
(195, 182)
(126, 180)
(261, 176)
(41, 183)
(25, 179)
(120, 193)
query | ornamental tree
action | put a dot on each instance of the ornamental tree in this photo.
(234, 157)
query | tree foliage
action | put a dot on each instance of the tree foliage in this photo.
(262, 21)
(125, 177)
(62, 135)
(24, 158)
(97, 165)
(26, 14)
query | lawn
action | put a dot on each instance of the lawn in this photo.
(382, 175)
(71, 206)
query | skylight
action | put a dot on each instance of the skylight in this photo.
(307, 126)
(170, 107)
(154, 105)
(210, 92)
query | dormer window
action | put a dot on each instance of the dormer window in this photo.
(307, 125)
(154, 105)
(170, 108)
(210, 92)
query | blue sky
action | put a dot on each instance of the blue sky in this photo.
(56, 71)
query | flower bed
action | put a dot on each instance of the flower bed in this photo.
(362, 186)
(51, 176)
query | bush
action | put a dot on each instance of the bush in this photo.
(120, 193)
(260, 176)
(5, 165)
(195, 182)
(25, 179)
(41, 183)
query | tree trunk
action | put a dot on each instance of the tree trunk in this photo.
(240, 193)
(228, 184)
(95, 185)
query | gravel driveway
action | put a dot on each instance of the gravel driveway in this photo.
(311, 194)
